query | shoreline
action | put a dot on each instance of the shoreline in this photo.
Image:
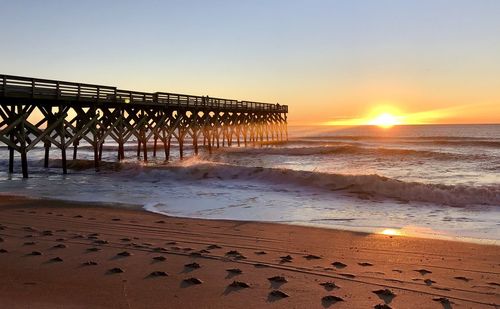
(421, 273)
(403, 233)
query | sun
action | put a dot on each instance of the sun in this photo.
(385, 120)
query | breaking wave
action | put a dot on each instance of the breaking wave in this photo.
(355, 150)
(365, 186)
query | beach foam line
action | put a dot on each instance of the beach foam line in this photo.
(371, 186)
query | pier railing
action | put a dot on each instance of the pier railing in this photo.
(35, 88)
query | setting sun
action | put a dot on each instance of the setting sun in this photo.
(385, 120)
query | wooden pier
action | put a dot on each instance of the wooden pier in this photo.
(61, 114)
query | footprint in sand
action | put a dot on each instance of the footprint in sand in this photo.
(192, 281)
(160, 222)
(78, 216)
(116, 270)
(159, 258)
(382, 306)
(158, 274)
(494, 283)
(386, 295)
(429, 281)
(59, 246)
(47, 233)
(3, 250)
(89, 263)
(93, 249)
(276, 295)
(463, 278)
(35, 253)
(260, 252)
(423, 272)
(330, 300)
(126, 239)
(124, 254)
(365, 264)
(1, 239)
(444, 301)
(329, 285)
(339, 265)
(29, 243)
(195, 254)
(236, 271)
(171, 243)
(348, 275)
(211, 247)
(286, 259)
(100, 242)
(192, 266)
(235, 255)
(239, 285)
(312, 257)
(279, 279)
(116, 219)
(56, 259)
(397, 271)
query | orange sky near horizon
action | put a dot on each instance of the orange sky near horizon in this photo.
(332, 62)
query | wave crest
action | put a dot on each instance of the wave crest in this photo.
(354, 150)
(362, 185)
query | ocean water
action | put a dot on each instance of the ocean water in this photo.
(437, 181)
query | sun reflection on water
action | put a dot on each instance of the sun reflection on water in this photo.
(392, 232)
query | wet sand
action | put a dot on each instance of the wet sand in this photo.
(57, 254)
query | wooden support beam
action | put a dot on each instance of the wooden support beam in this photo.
(11, 155)
(75, 149)
(167, 148)
(63, 148)
(22, 140)
(46, 157)
(145, 146)
(24, 162)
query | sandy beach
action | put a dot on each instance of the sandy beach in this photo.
(71, 255)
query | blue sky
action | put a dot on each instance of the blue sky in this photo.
(316, 56)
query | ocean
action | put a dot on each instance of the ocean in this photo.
(433, 181)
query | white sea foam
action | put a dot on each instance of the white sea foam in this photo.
(354, 182)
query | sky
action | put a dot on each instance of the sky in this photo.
(331, 62)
